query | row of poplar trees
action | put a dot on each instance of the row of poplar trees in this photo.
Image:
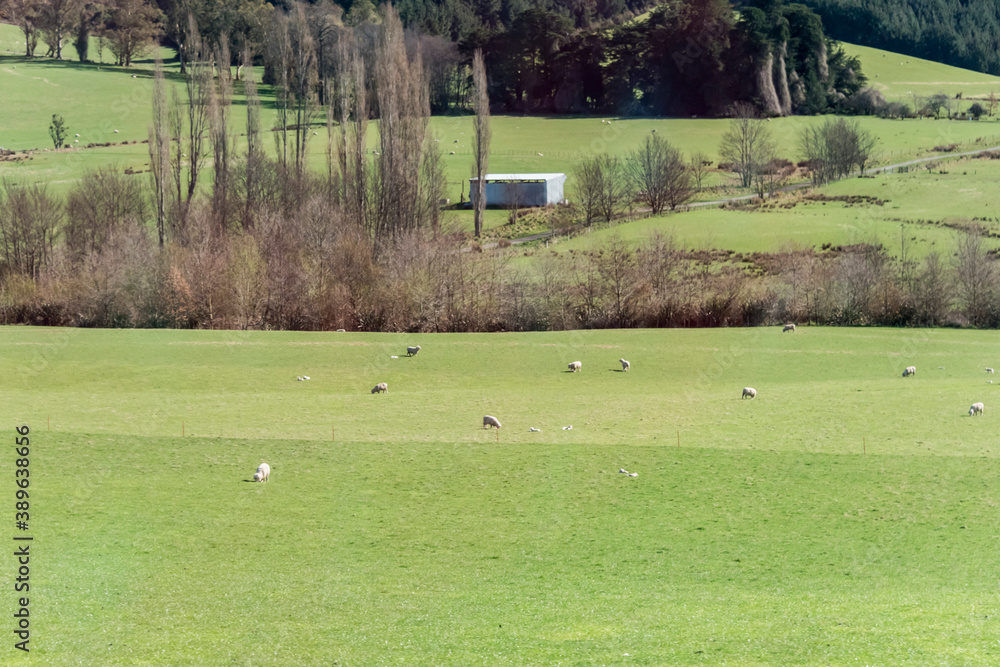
(387, 188)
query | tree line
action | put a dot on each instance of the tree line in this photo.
(964, 33)
(685, 57)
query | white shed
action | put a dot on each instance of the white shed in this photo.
(520, 189)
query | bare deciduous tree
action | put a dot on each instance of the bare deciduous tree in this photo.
(220, 101)
(480, 137)
(744, 142)
(975, 277)
(101, 208)
(658, 175)
(159, 151)
(403, 116)
(29, 221)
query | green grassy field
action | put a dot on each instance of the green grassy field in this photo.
(844, 516)
(901, 77)
(932, 205)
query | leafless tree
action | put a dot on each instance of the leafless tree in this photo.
(975, 277)
(303, 81)
(220, 103)
(744, 142)
(403, 115)
(698, 167)
(255, 151)
(198, 85)
(103, 206)
(159, 151)
(588, 187)
(616, 264)
(480, 137)
(835, 148)
(432, 183)
(933, 292)
(658, 175)
(601, 187)
(29, 222)
(513, 195)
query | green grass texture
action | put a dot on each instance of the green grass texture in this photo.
(846, 515)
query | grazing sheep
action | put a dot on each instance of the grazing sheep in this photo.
(575, 366)
(412, 351)
(989, 370)
(263, 473)
(568, 428)
(380, 388)
(625, 364)
(749, 391)
(534, 430)
(910, 370)
(976, 409)
(788, 327)
(623, 470)
(633, 474)
(490, 422)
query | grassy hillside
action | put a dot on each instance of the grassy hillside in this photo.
(925, 209)
(900, 77)
(844, 515)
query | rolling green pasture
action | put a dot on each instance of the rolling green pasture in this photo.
(844, 516)
(931, 204)
(901, 77)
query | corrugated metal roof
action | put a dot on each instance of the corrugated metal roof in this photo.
(521, 177)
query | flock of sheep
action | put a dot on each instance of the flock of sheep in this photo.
(489, 421)
(975, 409)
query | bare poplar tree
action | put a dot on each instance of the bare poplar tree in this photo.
(176, 132)
(480, 136)
(403, 112)
(198, 85)
(303, 81)
(159, 151)
(221, 97)
(279, 52)
(254, 155)
(358, 184)
(432, 183)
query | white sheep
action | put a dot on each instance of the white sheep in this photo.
(749, 391)
(490, 422)
(976, 409)
(625, 364)
(623, 470)
(412, 351)
(263, 473)
(788, 327)
(575, 366)
(380, 388)
(633, 474)
(989, 370)
(910, 370)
